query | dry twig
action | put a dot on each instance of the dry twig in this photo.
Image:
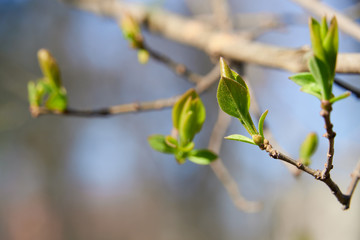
(318, 8)
(205, 37)
(220, 170)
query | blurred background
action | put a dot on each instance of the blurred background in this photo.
(69, 178)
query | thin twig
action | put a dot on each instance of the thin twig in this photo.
(220, 170)
(352, 89)
(179, 69)
(205, 82)
(330, 135)
(344, 199)
(355, 177)
(320, 9)
(205, 37)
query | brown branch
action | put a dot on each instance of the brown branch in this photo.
(355, 177)
(330, 135)
(344, 199)
(205, 37)
(220, 170)
(205, 82)
(346, 24)
(179, 69)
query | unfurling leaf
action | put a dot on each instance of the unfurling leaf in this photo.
(234, 98)
(188, 116)
(308, 148)
(241, 138)
(202, 156)
(158, 143)
(340, 97)
(321, 74)
(261, 123)
(308, 83)
(57, 100)
(49, 68)
(131, 31)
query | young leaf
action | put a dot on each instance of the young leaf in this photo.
(158, 143)
(261, 123)
(308, 83)
(308, 148)
(323, 28)
(34, 99)
(241, 138)
(188, 147)
(340, 97)
(234, 99)
(178, 107)
(331, 45)
(170, 141)
(57, 100)
(202, 156)
(49, 68)
(315, 37)
(321, 74)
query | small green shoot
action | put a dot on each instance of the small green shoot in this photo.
(188, 116)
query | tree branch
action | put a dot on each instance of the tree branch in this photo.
(205, 37)
(330, 135)
(204, 83)
(346, 24)
(353, 90)
(220, 170)
(344, 199)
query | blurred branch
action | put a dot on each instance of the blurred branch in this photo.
(179, 69)
(348, 87)
(355, 177)
(220, 170)
(346, 24)
(205, 37)
(205, 82)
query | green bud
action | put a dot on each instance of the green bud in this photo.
(49, 67)
(308, 148)
(258, 139)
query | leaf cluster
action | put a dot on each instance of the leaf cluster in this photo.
(132, 32)
(322, 64)
(188, 116)
(234, 99)
(47, 91)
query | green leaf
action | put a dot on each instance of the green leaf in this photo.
(170, 141)
(202, 156)
(188, 147)
(323, 28)
(308, 148)
(261, 123)
(178, 106)
(331, 45)
(33, 95)
(316, 41)
(308, 83)
(234, 99)
(321, 74)
(340, 97)
(158, 143)
(57, 100)
(188, 116)
(225, 70)
(241, 138)
(50, 68)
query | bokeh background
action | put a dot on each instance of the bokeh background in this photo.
(69, 178)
